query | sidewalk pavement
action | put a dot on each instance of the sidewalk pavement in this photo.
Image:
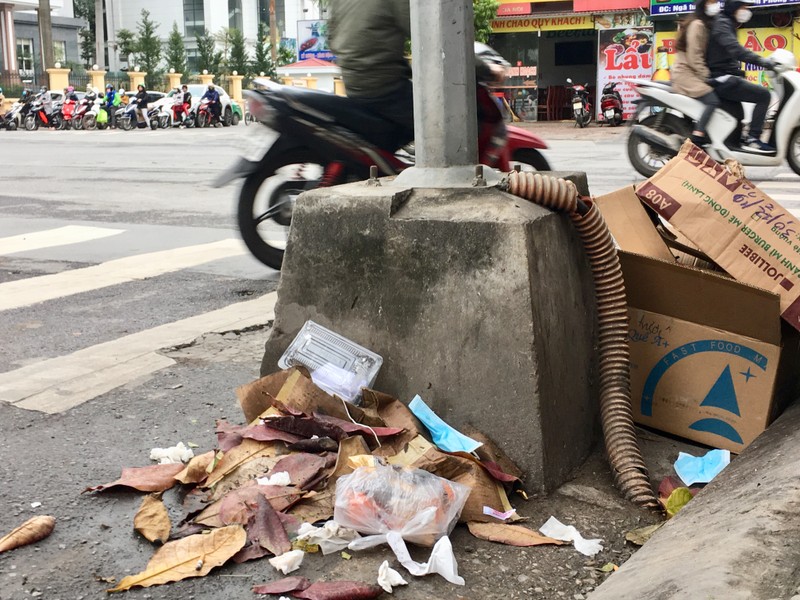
(737, 539)
(568, 130)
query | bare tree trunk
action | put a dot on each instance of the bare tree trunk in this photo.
(100, 34)
(273, 33)
(45, 34)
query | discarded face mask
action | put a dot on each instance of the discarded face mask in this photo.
(701, 469)
(444, 436)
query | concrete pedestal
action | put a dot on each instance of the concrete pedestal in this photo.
(137, 79)
(98, 80)
(174, 80)
(235, 86)
(206, 79)
(480, 302)
(59, 78)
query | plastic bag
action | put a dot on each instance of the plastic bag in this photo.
(420, 506)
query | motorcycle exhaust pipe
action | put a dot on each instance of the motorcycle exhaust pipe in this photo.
(661, 141)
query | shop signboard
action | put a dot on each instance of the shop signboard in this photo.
(761, 40)
(514, 8)
(312, 40)
(620, 20)
(676, 7)
(542, 24)
(624, 54)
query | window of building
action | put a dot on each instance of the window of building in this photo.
(194, 20)
(25, 55)
(280, 13)
(60, 51)
(235, 14)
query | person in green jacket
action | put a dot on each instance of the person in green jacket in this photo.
(368, 38)
(111, 101)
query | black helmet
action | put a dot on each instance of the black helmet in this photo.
(731, 6)
(109, 87)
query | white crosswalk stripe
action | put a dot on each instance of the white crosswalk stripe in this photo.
(61, 236)
(54, 385)
(16, 294)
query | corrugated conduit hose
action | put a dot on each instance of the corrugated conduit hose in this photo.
(622, 446)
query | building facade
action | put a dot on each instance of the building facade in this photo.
(193, 17)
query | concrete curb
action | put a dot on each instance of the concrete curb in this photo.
(738, 539)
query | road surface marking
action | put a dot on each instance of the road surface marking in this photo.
(58, 384)
(25, 292)
(61, 236)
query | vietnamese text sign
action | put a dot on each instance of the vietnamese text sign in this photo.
(542, 24)
(312, 40)
(624, 54)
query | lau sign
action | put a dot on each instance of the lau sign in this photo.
(624, 54)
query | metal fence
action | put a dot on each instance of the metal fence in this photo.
(14, 83)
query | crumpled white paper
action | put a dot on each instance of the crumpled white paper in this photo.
(441, 561)
(567, 533)
(389, 578)
(175, 455)
(281, 478)
(330, 538)
(288, 561)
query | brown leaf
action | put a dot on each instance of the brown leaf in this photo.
(236, 457)
(513, 535)
(307, 427)
(154, 478)
(267, 529)
(350, 427)
(352, 446)
(234, 506)
(32, 530)
(315, 506)
(642, 534)
(282, 586)
(301, 467)
(194, 556)
(339, 590)
(316, 445)
(196, 470)
(244, 475)
(229, 436)
(152, 520)
(393, 413)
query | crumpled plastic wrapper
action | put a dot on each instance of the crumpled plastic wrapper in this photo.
(330, 538)
(177, 454)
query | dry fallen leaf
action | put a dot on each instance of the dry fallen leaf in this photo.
(196, 470)
(30, 531)
(155, 478)
(194, 556)
(282, 586)
(513, 535)
(258, 467)
(315, 506)
(152, 520)
(236, 457)
(642, 534)
(339, 590)
(235, 506)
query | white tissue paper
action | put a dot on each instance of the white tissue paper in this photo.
(567, 533)
(389, 578)
(330, 538)
(175, 455)
(281, 478)
(288, 561)
(441, 561)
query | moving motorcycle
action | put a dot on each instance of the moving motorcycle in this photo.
(205, 118)
(657, 136)
(611, 104)
(325, 140)
(581, 105)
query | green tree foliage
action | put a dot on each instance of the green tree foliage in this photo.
(263, 61)
(126, 44)
(87, 46)
(84, 9)
(208, 57)
(175, 55)
(148, 49)
(238, 59)
(485, 11)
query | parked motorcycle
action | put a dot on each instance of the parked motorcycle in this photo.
(657, 136)
(83, 109)
(611, 104)
(13, 118)
(581, 104)
(37, 115)
(325, 140)
(126, 117)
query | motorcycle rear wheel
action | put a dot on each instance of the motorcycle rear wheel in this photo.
(163, 121)
(646, 159)
(125, 123)
(77, 123)
(89, 122)
(267, 244)
(793, 151)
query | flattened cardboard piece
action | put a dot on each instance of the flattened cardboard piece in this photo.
(628, 222)
(490, 451)
(701, 383)
(745, 231)
(395, 414)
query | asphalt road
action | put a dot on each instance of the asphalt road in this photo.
(131, 312)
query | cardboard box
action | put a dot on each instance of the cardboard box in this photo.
(706, 351)
(747, 233)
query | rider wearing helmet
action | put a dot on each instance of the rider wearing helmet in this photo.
(112, 102)
(724, 56)
(212, 95)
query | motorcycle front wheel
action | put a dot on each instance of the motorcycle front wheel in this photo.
(31, 123)
(125, 123)
(77, 123)
(89, 122)
(648, 159)
(583, 118)
(163, 121)
(267, 200)
(203, 119)
(529, 159)
(793, 152)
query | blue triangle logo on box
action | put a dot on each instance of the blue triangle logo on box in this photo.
(723, 394)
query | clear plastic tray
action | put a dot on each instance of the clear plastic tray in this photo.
(337, 365)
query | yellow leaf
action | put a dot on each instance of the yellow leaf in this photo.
(235, 457)
(32, 530)
(513, 535)
(679, 498)
(195, 471)
(194, 556)
(152, 520)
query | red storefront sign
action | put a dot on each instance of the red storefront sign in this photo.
(605, 5)
(514, 8)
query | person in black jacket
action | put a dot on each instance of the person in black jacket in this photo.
(725, 55)
(141, 106)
